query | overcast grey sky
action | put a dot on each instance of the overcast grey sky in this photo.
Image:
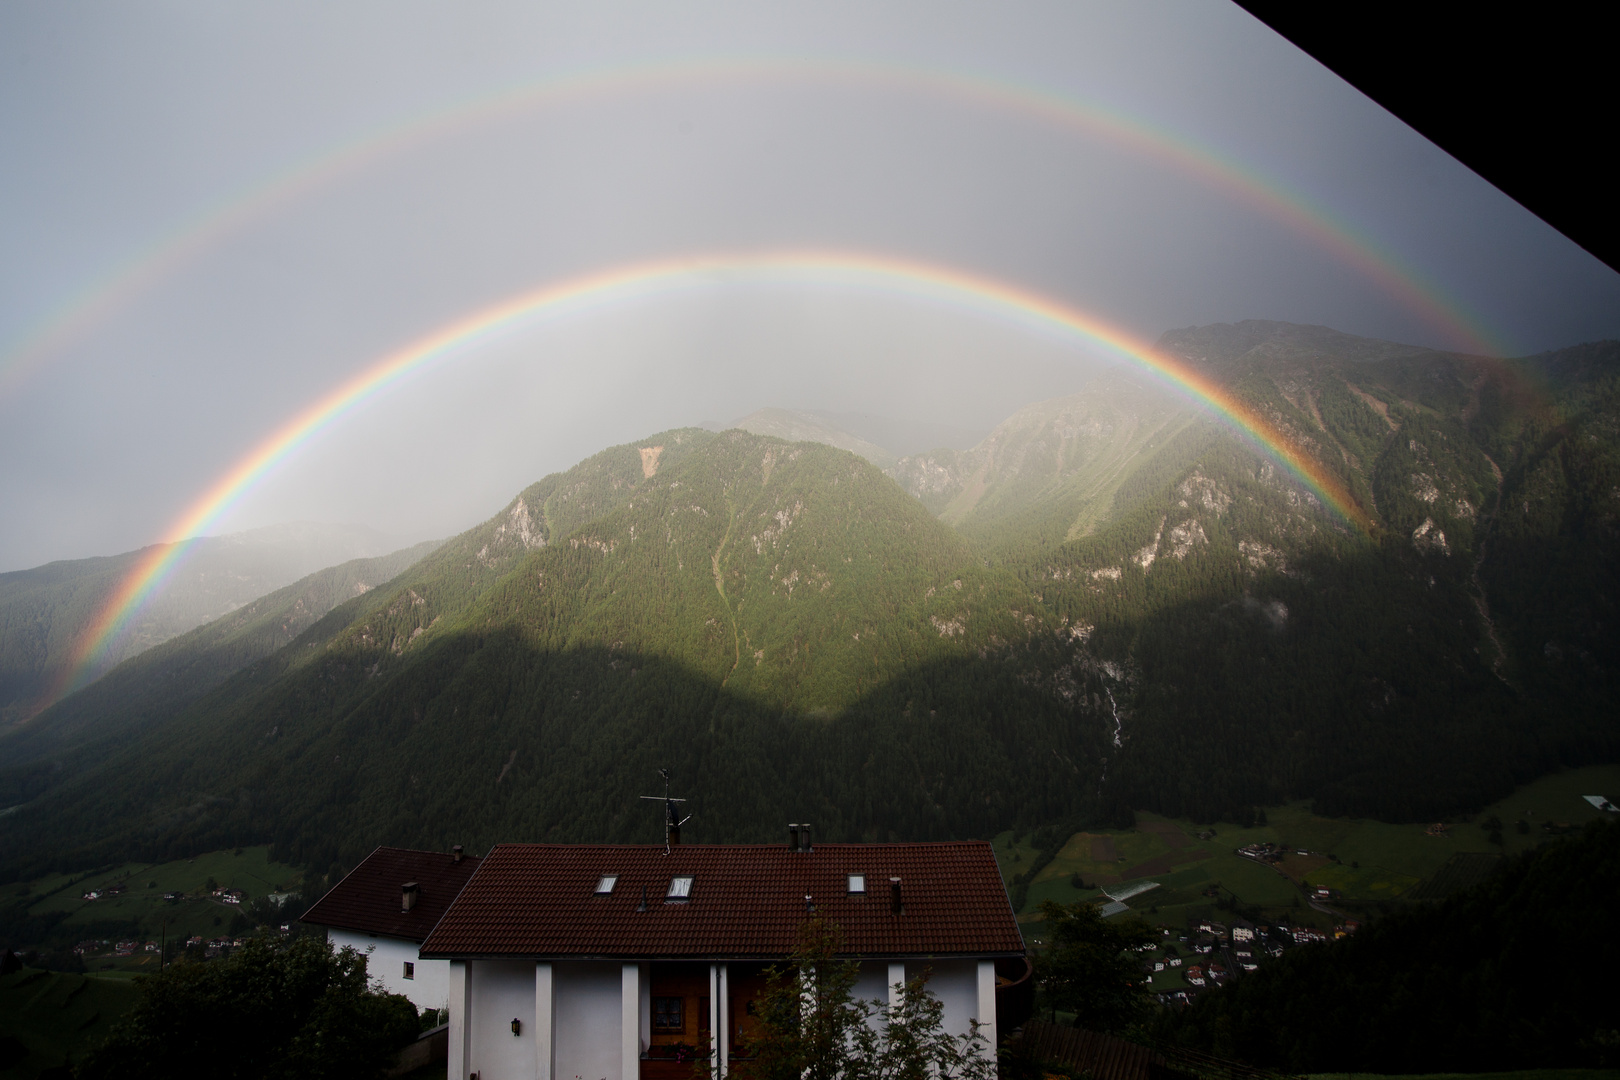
(123, 125)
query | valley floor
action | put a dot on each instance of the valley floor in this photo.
(117, 919)
(1199, 872)
(1303, 878)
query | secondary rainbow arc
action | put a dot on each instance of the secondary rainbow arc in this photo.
(622, 284)
(201, 232)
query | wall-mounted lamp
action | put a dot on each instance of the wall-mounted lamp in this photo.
(517, 1026)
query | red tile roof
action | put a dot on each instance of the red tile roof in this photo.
(747, 902)
(368, 900)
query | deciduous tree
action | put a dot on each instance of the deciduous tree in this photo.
(272, 1010)
(1089, 968)
(813, 1027)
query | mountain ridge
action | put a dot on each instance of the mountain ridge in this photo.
(789, 628)
(553, 649)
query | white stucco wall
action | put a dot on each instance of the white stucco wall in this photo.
(501, 991)
(644, 1021)
(588, 999)
(385, 962)
(873, 985)
(460, 1006)
(956, 984)
(588, 1015)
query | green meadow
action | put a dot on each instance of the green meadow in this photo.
(141, 911)
(1364, 862)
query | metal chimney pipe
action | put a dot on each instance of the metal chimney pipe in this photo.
(793, 837)
(804, 838)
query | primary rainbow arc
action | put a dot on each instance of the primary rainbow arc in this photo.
(859, 270)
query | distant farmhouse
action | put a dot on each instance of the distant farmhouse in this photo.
(385, 909)
(619, 961)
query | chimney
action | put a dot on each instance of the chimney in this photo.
(809, 904)
(793, 837)
(455, 853)
(408, 893)
(804, 838)
(897, 906)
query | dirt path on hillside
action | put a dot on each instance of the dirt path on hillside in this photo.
(1168, 831)
(720, 587)
(1162, 864)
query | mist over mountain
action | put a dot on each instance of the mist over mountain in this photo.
(1049, 473)
(882, 440)
(1223, 344)
(798, 426)
(1110, 602)
(158, 682)
(44, 611)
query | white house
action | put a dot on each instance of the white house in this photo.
(385, 909)
(616, 962)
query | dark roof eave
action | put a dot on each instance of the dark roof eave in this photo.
(372, 933)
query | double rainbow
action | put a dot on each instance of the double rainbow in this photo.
(202, 232)
(616, 286)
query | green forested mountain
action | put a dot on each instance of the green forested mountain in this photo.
(1269, 652)
(779, 623)
(1134, 608)
(44, 611)
(1552, 568)
(1511, 974)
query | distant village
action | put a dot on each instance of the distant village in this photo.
(211, 947)
(1213, 953)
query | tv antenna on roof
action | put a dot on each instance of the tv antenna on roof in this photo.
(672, 819)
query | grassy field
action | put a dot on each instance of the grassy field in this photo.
(46, 1016)
(142, 909)
(1362, 861)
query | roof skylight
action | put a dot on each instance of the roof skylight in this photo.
(857, 883)
(680, 888)
(605, 886)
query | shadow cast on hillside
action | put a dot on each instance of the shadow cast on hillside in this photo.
(483, 738)
(1354, 679)
(1358, 681)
